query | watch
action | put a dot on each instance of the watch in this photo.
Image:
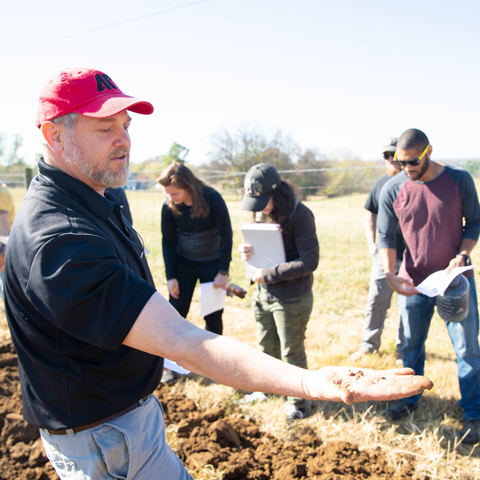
(465, 257)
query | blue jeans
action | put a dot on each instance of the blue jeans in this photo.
(130, 447)
(416, 313)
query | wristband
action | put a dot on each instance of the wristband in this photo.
(465, 257)
(223, 272)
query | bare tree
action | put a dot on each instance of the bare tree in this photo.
(308, 182)
(248, 145)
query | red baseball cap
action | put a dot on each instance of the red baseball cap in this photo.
(86, 91)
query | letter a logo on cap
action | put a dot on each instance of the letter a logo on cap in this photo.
(85, 91)
(104, 81)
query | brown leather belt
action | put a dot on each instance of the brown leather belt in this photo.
(99, 422)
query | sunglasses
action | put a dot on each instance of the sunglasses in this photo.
(414, 162)
(386, 156)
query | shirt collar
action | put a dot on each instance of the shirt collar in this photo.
(94, 202)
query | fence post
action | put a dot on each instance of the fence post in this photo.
(28, 177)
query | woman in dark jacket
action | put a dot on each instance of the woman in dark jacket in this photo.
(197, 239)
(283, 299)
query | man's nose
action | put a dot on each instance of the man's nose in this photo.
(123, 139)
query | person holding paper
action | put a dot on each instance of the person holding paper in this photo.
(437, 208)
(197, 239)
(283, 299)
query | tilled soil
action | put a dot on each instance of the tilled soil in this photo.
(231, 443)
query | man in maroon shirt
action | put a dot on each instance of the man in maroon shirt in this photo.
(438, 212)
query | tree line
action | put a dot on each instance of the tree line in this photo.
(234, 152)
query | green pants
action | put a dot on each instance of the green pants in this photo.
(281, 327)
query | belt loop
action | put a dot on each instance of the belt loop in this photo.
(70, 432)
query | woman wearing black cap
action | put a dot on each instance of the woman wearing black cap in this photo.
(283, 299)
(197, 239)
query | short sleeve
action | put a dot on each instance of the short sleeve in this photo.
(371, 204)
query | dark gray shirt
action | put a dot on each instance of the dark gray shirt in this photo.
(198, 239)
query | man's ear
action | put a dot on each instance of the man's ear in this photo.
(429, 151)
(54, 135)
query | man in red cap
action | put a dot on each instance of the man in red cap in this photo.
(89, 328)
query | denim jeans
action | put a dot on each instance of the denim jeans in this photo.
(416, 313)
(281, 327)
(130, 447)
(378, 302)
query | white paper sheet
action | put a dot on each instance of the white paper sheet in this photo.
(436, 283)
(211, 299)
(174, 367)
(267, 242)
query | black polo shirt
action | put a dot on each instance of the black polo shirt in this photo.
(121, 196)
(76, 281)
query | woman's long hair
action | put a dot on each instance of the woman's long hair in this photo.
(178, 175)
(285, 202)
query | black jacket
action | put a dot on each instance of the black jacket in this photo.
(295, 277)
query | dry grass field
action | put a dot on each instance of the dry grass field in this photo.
(428, 438)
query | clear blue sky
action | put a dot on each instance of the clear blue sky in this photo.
(339, 76)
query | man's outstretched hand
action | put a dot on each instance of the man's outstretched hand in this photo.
(349, 384)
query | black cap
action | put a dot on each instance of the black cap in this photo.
(260, 182)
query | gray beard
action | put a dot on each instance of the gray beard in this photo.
(105, 176)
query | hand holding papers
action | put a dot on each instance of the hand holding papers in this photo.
(267, 242)
(211, 299)
(438, 282)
